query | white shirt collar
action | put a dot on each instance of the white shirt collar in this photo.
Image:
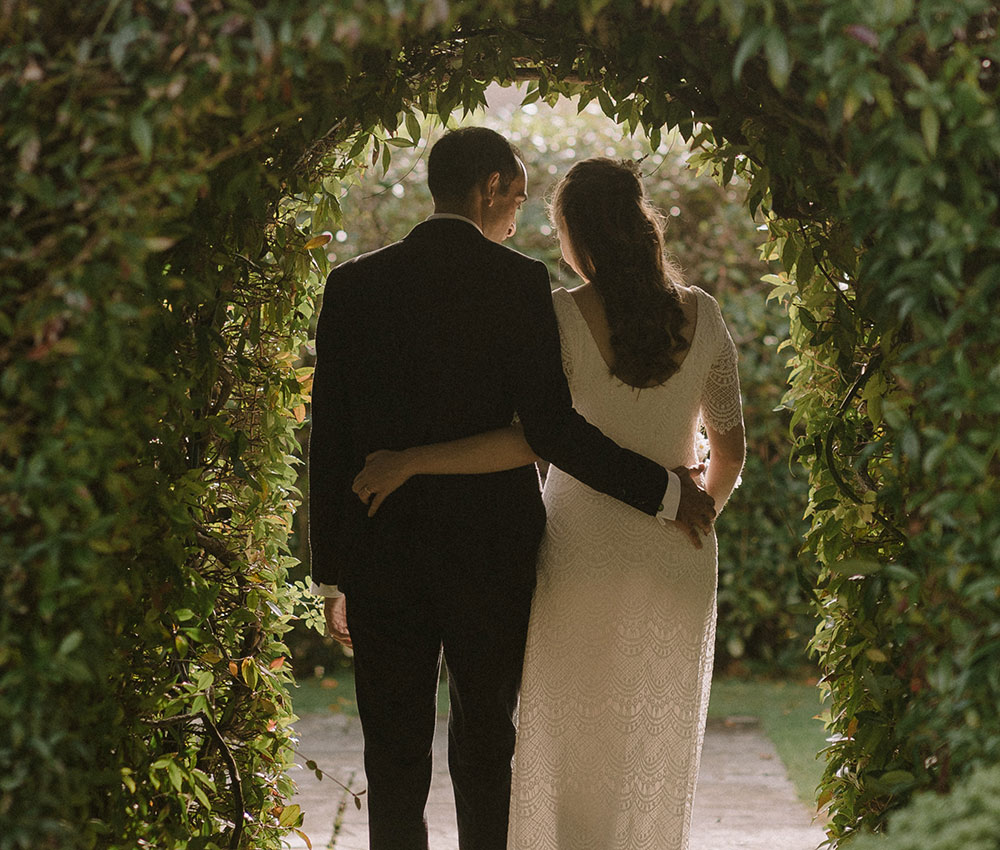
(455, 216)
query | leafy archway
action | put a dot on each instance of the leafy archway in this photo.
(156, 285)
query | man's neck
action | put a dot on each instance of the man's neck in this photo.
(471, 212)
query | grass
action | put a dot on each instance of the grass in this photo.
(334, 692)
(786, 711)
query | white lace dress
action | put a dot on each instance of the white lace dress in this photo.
(620, 644)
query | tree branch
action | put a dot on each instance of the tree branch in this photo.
(234, 778)
(227, 756)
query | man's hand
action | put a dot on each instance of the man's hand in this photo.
(335, 611)
(696, 511)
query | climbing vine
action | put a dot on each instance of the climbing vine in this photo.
(158, 275)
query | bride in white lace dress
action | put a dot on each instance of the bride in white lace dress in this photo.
(619, 654)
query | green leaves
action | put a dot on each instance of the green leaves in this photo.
(290, 816)
(930, 127)
(750, 44)
(142, 135)
(852, 566)
(779, 62)
(969, 816)
(777, 53)
(166, 167)
(122, 40)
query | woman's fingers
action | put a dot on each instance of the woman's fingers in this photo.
(364, 490)
(376, 503)
(381, 476)
(361, 487)
(361, 479)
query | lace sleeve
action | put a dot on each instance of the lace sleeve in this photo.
(721, 407)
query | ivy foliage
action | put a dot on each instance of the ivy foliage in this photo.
(158, 273)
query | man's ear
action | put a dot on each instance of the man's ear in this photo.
(492, 188)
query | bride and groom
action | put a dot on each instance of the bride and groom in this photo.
(446, 362)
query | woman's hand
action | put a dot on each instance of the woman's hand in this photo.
(385, 472)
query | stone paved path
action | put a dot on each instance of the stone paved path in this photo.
(744, 801)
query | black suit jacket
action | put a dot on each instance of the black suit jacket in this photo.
(443, 335)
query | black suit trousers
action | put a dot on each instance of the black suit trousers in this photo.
(470, 602)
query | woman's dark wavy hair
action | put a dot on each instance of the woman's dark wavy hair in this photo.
(617, 239)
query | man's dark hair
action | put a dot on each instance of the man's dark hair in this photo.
(463, 158)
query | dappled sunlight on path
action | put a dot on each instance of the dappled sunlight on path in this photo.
(744, 802)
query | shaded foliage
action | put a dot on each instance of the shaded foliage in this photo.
(155, 284)
(968, 817)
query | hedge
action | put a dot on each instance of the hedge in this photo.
(968, 817)
(168, 168)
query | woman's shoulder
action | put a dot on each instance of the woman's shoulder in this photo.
(692, 292)
(561, 297)
(710, 322)
(565, 305)
(699, 296)
(567, 299)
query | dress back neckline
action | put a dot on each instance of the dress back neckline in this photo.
(597, 348)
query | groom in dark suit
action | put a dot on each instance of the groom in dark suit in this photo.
(444, 335)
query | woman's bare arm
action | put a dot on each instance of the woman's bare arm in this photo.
(492, 451)
(727, 453)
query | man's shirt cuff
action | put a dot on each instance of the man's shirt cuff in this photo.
(671, 498)
(330, 591)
